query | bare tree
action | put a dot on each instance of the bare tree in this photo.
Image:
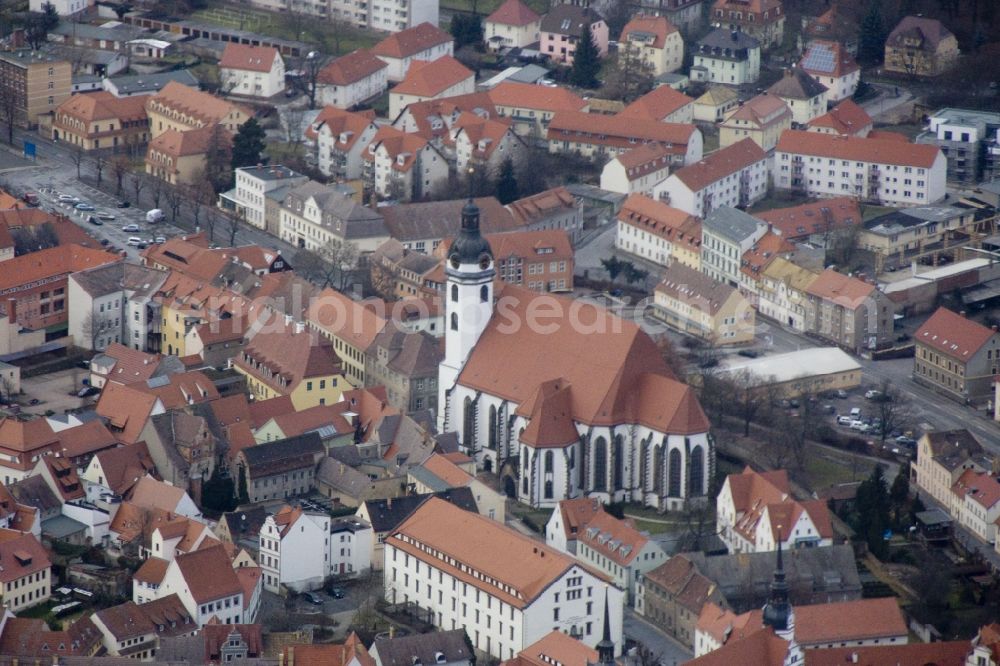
(211, 220)
(100, 161)
(343, 256)
(6, 387)
(748, 396)
(89, 330)
(235, 221)
(156, 189)
(76, 156)
(892, 408)
(631, 76)
(138, 184)
(175, 199)
(310, 66)
(291, 124)
(119, 167)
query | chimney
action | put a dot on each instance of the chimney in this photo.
(300, 326)
(288, 320)
(12, 310)
(961, 313)
(388, 503)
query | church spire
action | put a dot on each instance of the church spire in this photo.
(777, 610)
(606, 647)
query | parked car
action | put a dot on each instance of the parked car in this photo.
(83, 205)
(829, 409)
(844, 420)
(131, 227)
(313, 598)
(856, 412)
(860, 426)
(123, 204)
(87, 391)
(159, 240)
(903, 440)
(872, 394)
(141, 246)
(94, 220)
(105, 215)
(134, 241)
(842, 394)
(154, 216)
(68, 198)
(337, 592)
(749, 353)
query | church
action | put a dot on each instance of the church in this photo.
(561, 397)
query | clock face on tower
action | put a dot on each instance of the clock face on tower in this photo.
(484, 262)
(454, 261)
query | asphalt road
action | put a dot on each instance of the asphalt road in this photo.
(670, 651)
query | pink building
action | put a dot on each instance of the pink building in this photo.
(562, 28)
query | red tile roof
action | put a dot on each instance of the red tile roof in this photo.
(50, 263)
(618, 131)
(657, 26)
(768, 248)
(328, 655)
(410, 42)
(980, 486)
(428, 79)
(283, 357)
(938, 653)
(657, 104)
(206, 108)
(813, 218)
(513, 12)
(248, 58)
(152, 571)
(721, 163)
(658, 218)
(102, 105)
(209, 574)
(847, 118)
(856, 149)
(555, 647)
(576, 513)
(339, 121)
(351, 68)
(538, 97)
(645, 159)
(615, 539)
(26, 436)
(21, 555)
(396, 144)
(863, 619)
(844, 290)
(931, 31)
(762, 111)
(343, 317)
(182, 144)
(953, 335)
(843, 62)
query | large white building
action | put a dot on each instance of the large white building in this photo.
(351, 79)
(115, 303)
(882, 171)
(619, 427)
(251, 71)
(465, 571)
(341, 139)
(294, 549)
(656, 41)
(513, 24)
(420, 41)
(208, 586)
(733, 176)
(63, 7)
(385, 15)
(729, 57)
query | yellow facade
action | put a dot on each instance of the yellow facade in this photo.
(310, 392)
(732, 323)
(174, 329)
(162, 118)
(181, 170)
(687, 255)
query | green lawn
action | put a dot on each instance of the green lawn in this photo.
(779, 199)
(825, 468)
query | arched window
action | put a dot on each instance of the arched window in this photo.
(674, 473)
(658, 470)
(454, 293)
(619, 463)
(454, 321)
(548, 462)
(548, 489)
(696, 472)
(484, 293)
(600, 464)
(493, 428)
(469, 424)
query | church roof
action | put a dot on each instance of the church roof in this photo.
(616, 372)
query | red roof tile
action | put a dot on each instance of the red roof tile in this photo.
(513, 12)
(658, 26)
(847, 291)
(410, 42)
(721, 163)
(248, 58)
(953, 335)
(657, 104)
(351, 68)
(813, 218)
(856, 149)
(938, 653)
(538, 97)
(427, 79)
(847, 118)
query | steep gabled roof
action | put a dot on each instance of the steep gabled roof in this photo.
(953, 335)
(409, 42)
(351, 68)
(724, 162)
(248, 58)
(427, 79)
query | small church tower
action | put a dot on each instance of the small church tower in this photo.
(468, 307)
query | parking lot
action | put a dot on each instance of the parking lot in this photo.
(856, 413)
(52, 391)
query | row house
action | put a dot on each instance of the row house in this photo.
(251, 71)
(179, 107)
(484, 145)
(181, 157)
(313, 215)
(957, 357)
(882, 171)
(766, 250)
(549, 209)
(849, 312)
(26, 576)
(349, 326)
(115, 304)
(762, 118)
(695, 304)
(734, 176)
(403, 166)
(599, 137)
(726, 235)
(506, 603)
(658, 233)
(943, 456)
(341, 138)
(420, 42)
(100, 120)
(822, 219)
(656, 41)
(781, 294)
(352, 79)
(532, 106)
(637, 171)
(976, 503)
(755, 512)
(135, 630)
(513, 25)
(280, 469)
(444, 77)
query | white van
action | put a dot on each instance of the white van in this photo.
(154, 216)
(134, 240)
